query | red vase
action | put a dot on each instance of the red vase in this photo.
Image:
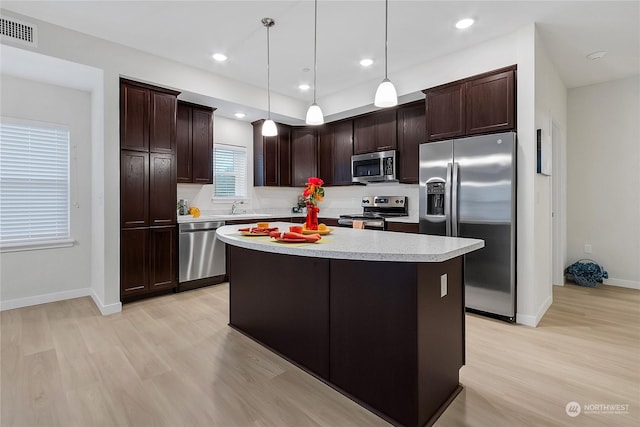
(312, 217)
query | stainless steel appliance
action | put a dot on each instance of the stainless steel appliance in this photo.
(468, 189)
(202, 259)
(374, 167)
(375, 210)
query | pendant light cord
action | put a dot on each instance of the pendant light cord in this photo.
(268, 78)
(386, 38)
(315, 49)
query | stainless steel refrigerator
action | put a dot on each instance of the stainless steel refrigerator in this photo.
(468, 189)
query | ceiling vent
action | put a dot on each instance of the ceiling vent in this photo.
(18, 31)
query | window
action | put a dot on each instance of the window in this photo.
(34, 184)
(229, 171)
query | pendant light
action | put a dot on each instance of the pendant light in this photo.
(268, 127)
(314, 113)
(386, 95)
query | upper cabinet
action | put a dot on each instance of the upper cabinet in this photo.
(147, 117)
(411, 133)
(271, 157)
(476, 105)
(335, 147)
(375, 132)
(304, 154)
(194, 138)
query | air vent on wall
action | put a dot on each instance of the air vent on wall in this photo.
(18, 31)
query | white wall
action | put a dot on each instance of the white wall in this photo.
(603, 183)
(50, 274)
(550, 107)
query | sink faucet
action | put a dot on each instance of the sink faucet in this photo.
(234, 206)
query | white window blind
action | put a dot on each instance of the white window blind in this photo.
(229, 171)
(34, 182)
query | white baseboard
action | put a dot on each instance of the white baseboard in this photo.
(105, 309)
(622, 283)
(43, 299)
(61, 296)
(529, 320)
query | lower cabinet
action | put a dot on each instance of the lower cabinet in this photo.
(403, 227)
(148, 260)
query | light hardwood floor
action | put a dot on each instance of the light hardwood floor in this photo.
(173, 361)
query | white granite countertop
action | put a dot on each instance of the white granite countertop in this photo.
(254, 217)
(365, 245)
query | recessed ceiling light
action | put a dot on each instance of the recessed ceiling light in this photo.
(304, 86)
(464, 23)
(240, 115)
(366, 62)
(220, 57)
(596, 55)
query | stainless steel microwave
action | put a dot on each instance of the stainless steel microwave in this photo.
(374, 167)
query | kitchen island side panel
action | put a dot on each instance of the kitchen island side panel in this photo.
(373, 335)
(282, 301)
(440, 336)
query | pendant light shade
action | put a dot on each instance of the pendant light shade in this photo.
(269, 127)
(314, 113)
(386, 95)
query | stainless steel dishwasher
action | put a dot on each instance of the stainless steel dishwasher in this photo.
(202, 259)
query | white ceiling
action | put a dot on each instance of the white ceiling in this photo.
(419, 31)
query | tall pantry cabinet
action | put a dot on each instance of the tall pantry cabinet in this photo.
(148, 257)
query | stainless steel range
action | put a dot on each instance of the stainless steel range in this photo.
(376, 209)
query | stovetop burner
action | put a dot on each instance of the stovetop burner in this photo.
(380, 207)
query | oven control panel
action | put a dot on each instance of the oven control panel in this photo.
(383, 201)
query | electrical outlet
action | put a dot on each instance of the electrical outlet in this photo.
(443, 286)
(587, 248)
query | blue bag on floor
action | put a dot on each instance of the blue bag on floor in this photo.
(586, 272)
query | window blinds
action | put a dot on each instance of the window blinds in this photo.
(34, 181)
(229, 171)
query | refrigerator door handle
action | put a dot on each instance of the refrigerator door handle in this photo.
(454, 200)
(447, 200)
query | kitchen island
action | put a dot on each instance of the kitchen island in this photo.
(377, 315)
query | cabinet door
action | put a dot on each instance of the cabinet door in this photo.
(325, 154)
(364, 134)
(134, 259)
(342, 151)
(445, 112)
(491, 103)
(202, 159)
(385, 131)
(284, 156)
(134, 118)
(270, 160)
(184, 150)
(162, 123)
(134, 188)
(411, 133)
(162, 257)
(162, 189)
(258, 155)
(304, 150)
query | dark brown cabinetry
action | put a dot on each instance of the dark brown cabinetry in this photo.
(375, 132)
(194, 140)
(335, 147)
(148, 255)
(272, 157)
(480, 104)
(304, 155)
(411, 133)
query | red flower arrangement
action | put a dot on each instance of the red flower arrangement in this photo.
(313, 194)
